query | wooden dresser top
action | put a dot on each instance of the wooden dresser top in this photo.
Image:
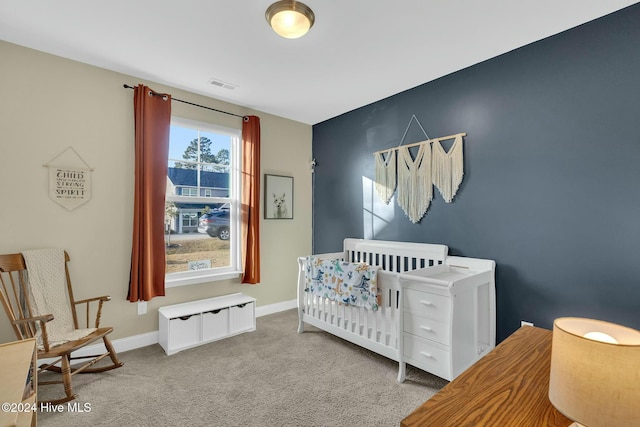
(507, 387)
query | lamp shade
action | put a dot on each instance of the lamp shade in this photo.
(595, 381)
(290, 19)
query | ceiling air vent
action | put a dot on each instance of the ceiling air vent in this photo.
(222, 84)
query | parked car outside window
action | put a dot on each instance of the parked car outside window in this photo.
(224, 207)
(215, 224)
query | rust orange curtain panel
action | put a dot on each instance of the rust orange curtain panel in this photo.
(152, 124)
(251, 200)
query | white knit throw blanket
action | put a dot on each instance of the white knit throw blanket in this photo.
(386, 175)
(414, 182)
(48, 295)
(448, 168)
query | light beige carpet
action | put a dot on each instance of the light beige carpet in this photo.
(271, 377)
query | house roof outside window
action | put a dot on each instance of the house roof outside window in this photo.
(216, 181)
(189, 178)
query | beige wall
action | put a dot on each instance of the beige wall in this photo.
(47, 104)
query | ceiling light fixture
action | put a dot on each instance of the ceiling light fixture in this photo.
(289, 18)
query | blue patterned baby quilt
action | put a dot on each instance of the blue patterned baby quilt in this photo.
(342, 281)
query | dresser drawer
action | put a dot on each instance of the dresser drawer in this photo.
(427, 356)
(427, 328)
(427, 304)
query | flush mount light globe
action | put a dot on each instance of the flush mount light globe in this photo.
(289, 18)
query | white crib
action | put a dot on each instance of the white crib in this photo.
(377, 330)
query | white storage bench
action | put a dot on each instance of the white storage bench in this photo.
(193, 323)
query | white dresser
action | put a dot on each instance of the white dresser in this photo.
(449, 316)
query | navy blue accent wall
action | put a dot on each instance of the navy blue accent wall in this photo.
(551, 189)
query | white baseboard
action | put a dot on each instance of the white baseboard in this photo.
(120, 345)
(276, 308)
(142, 340)
(136, 341)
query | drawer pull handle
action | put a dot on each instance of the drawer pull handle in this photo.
(426, 328)
(429, 303)
(426, 354)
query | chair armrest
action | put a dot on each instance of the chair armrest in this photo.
(45, 318)
(100, 300)
(29, 326)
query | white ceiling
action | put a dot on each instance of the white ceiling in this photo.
(358, 51)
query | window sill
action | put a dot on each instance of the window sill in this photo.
(174, 282)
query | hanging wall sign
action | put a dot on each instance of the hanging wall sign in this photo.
(69, 186)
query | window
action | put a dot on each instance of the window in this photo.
(190, 192)
(202, 214)
(189, 219)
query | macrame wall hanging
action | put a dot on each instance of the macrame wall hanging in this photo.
(414, 177)
(386, 175)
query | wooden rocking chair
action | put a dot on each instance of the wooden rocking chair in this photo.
(18, 303)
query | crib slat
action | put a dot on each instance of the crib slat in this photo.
(374, 326)
(312, 311)
(307, 304)
(354, 321)
(394, 321)
(330, 316)
(345, 317)
(357, 323)
(318, 305)
(378, 320)
(312, 303)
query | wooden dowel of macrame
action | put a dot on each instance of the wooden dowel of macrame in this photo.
(442, 138)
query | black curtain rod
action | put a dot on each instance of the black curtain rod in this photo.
(126, 86)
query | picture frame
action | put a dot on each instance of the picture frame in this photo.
(278, 197)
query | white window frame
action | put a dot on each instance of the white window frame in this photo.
(184, 278)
